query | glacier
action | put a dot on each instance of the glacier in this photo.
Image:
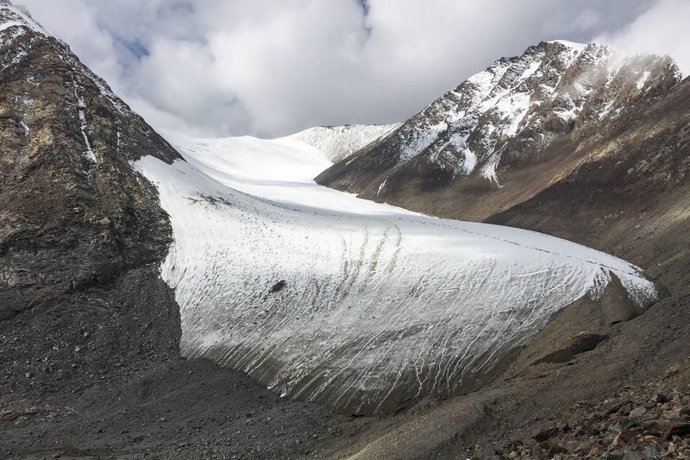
(362, 306)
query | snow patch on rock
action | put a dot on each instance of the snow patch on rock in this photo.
(84, 126)
(14, 16)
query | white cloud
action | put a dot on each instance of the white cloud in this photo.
(663, 29)
(76, 23)
(221, 67)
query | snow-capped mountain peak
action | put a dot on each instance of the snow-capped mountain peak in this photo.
(17, 16)
(505, 114)
(547, 89)
(574, 45)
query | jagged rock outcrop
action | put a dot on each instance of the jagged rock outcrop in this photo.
(505, 133)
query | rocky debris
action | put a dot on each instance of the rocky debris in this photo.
(182, 409)
(646, 422)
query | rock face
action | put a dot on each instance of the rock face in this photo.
(504, 128)
(630, 189)
(80, 232)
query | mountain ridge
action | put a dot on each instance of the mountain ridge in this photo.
(498, 123)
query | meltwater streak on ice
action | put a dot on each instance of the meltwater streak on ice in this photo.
(322, 296)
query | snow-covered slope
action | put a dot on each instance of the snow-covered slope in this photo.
(339, 142)
(322, 296)
(13, 17)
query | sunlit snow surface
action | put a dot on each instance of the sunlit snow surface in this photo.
(338, 142)
(322, 296)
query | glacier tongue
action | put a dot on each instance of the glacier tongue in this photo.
(322, 296)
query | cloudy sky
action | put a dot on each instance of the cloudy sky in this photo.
(271, 67)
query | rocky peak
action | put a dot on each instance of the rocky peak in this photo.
(552, 88)
(508, 113)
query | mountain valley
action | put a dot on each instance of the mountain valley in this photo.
(511, 279)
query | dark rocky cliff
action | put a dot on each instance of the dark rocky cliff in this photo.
(81, 234)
